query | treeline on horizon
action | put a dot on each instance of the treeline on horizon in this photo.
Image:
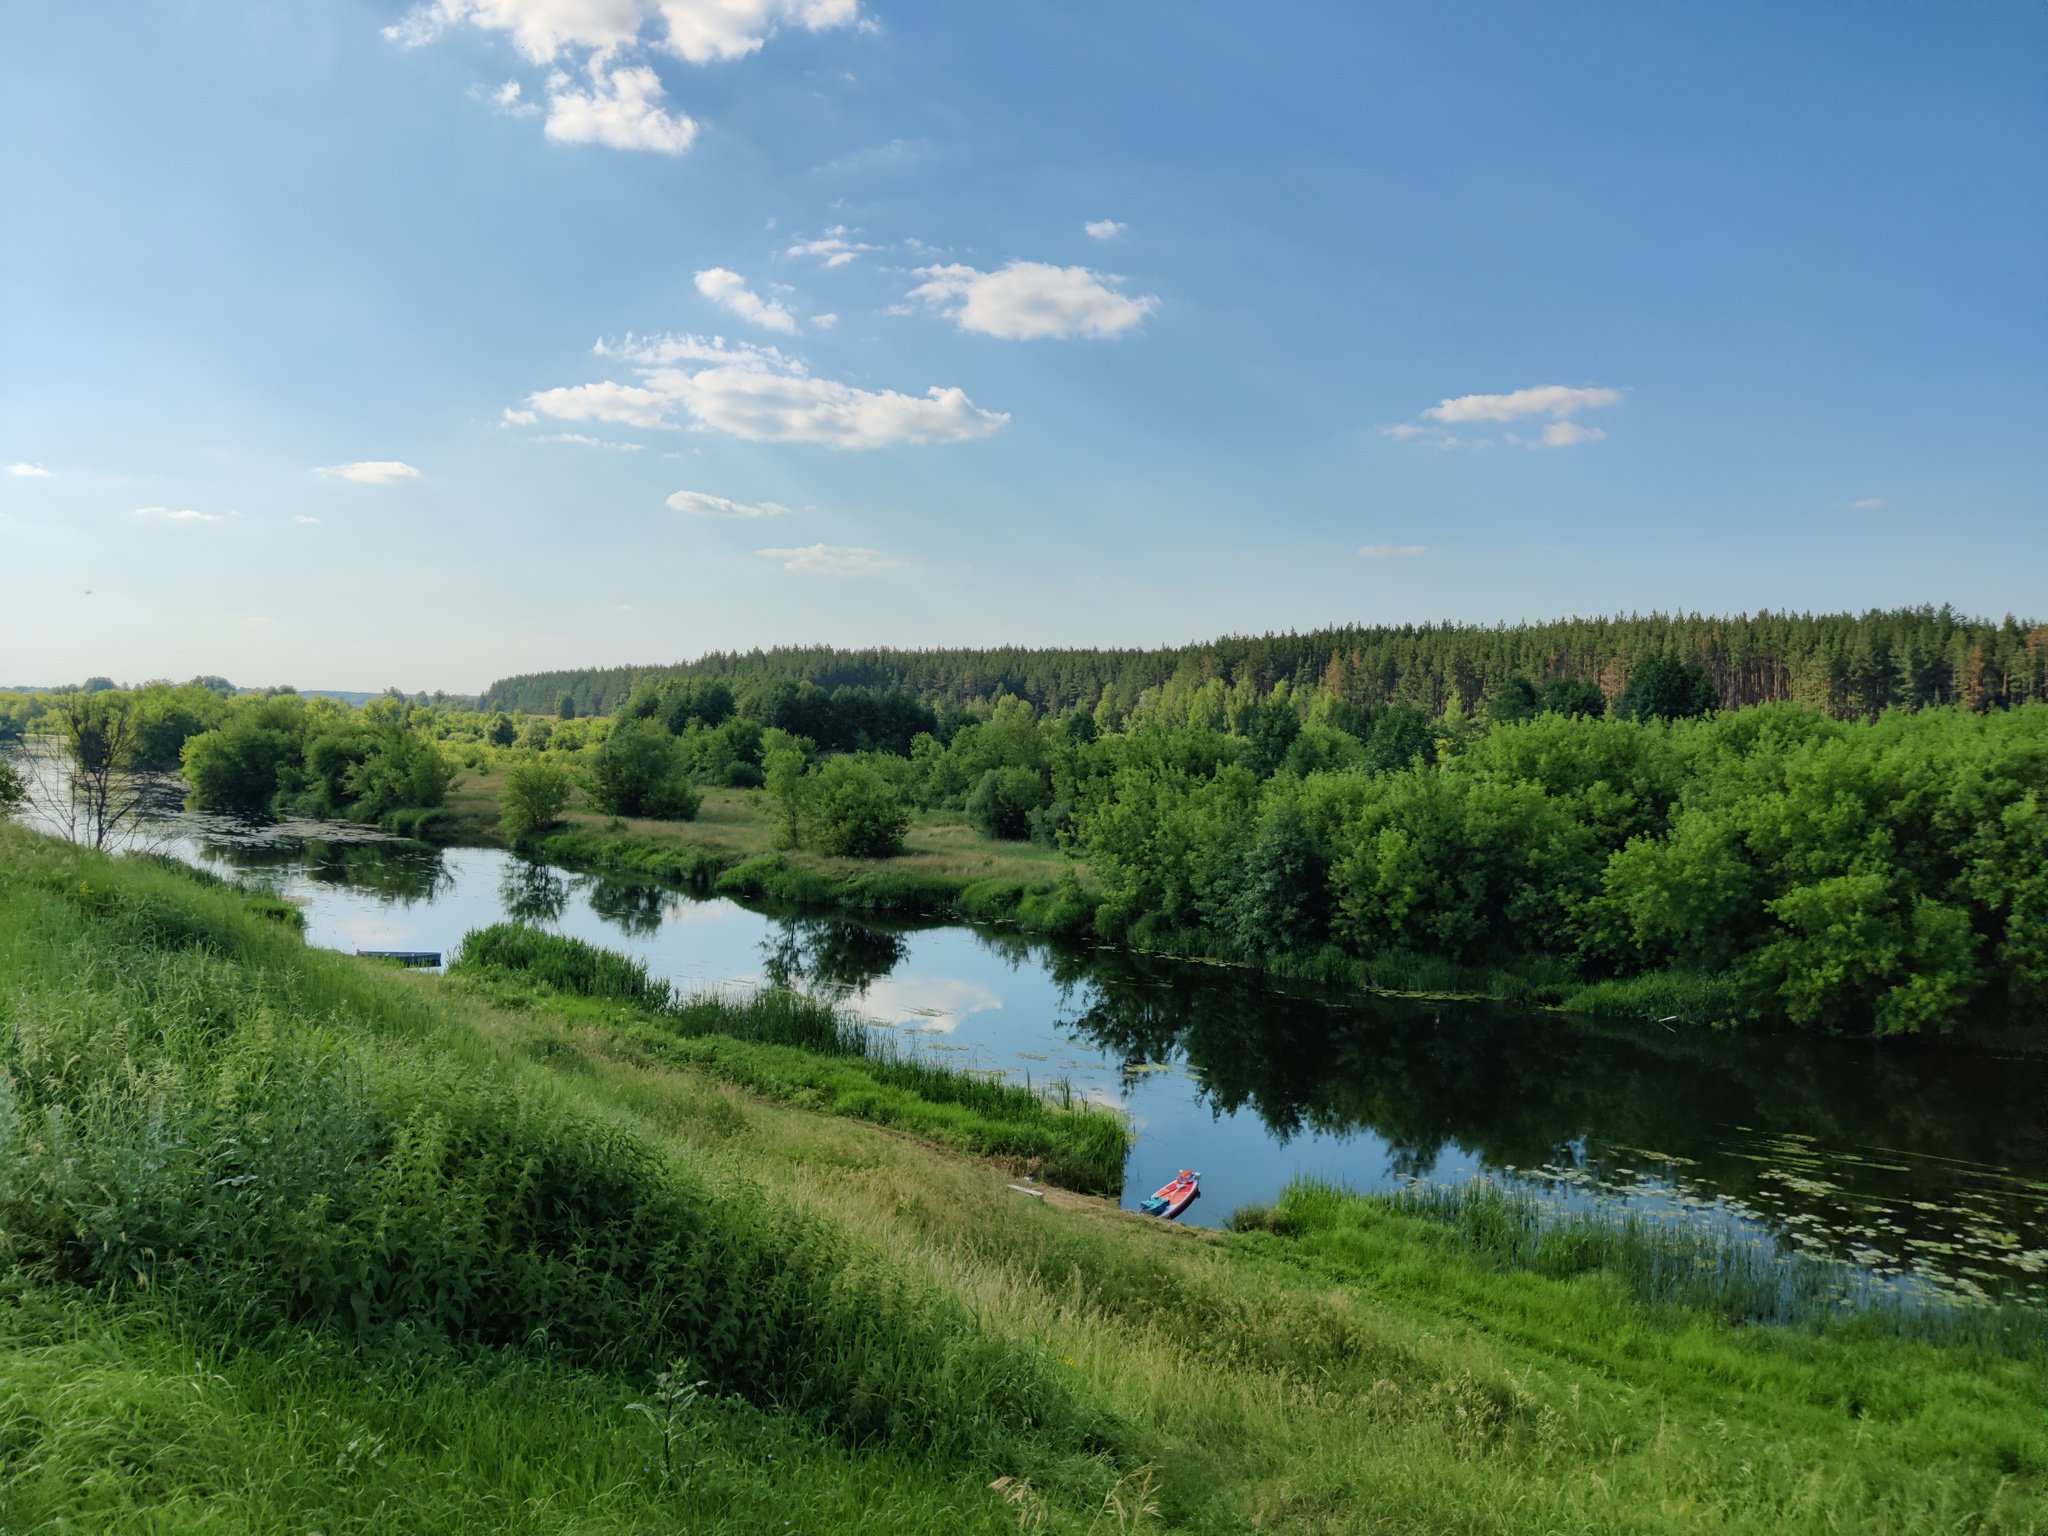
(1845, 665)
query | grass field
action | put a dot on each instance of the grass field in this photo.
(296, 1242)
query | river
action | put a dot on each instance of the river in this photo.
(1924, 1163)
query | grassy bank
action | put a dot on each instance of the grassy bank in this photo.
(784, 1046)
(294, 1241)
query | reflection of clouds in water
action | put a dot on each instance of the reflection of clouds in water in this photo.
(933, 1003)
(690, 912)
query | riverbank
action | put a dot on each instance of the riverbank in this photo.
(294, 1239)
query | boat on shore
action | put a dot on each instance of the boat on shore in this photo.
(1174, 1197)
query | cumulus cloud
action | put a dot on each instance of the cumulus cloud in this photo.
(621, 109)
(825, 322)
(761, 395)
(28, 471)
(626, 405)
(302, 518)
(1564, 434)
(178, 514)
(612, 37)
(1390, 551)
(1866, 504)
(370, 472)
(704, 504)
(1104, 229)
(729, 290)
(1029, 300)
(1554, 400)
(829, 559)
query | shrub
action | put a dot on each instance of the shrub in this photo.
(639, 772)
(1002, 802)
(854, 811)
(535, 796)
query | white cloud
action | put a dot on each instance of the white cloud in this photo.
(307, 521)
(1029, 300)
(1390, 551)
(1104, 229)
(729, 290)
(825, 322)
(761, 395)
(1564, 434)
(1554, 400)
(622, 107)
(28, 471)
(506, 98)
(704, 504)
(795, 408)
(834, 247)
(829, 559)
(370, 472)
(1866, 504)
(178, 514)
(622, 110)
(584, 440)
(540, 29)
(703, 31)
(627, 405)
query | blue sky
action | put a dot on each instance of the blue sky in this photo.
(328, 357)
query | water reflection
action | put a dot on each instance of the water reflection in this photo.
(405, 873)
(533, 893)
(829, 955)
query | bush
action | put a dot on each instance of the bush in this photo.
(853, 811)
(639, 772)
(1002, 803)
(535, 796)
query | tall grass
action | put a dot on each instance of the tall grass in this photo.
(1734, 1275)
(1072, 1142)
(190, 1110)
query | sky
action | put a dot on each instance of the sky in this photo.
(353, 344)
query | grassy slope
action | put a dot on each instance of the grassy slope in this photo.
(1373, 1379)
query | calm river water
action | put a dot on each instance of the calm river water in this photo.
(1912, 1160)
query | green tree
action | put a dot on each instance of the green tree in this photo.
(854, 811)
(1002, 803)
(1514, 699)
(242, 763)
(501, 732)
(639, 771)
(784, 773)
(1571, 696)
(13, 791)
(536, 794)
(1662, 687)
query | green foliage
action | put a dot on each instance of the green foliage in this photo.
(1003, 802)
(535, 795)
(13, 792)
(501, 732)
(853, 811)
(1881, 877)
(1666, 688)
(639, 772)
(241, 764)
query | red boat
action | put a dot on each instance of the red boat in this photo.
(1176, 1197)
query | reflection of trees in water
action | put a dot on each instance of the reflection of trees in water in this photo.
(1515, 1086)
(634, 907)
(829, 954)
(400, 872)
(532, 893)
